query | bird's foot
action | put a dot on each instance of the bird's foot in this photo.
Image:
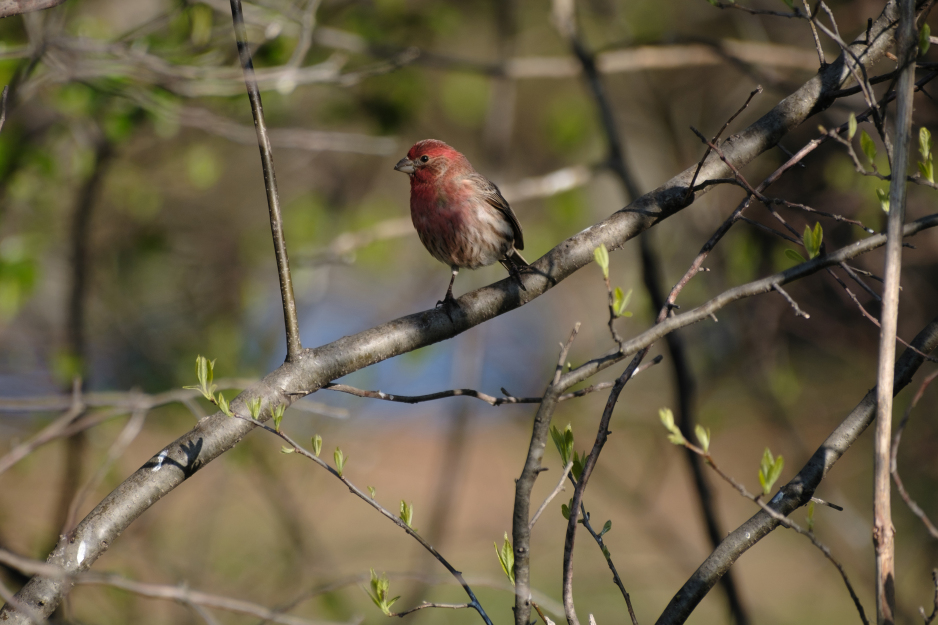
(448, 305)
(515, 272)
(448, 301)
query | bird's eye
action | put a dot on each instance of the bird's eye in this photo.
(424, 158)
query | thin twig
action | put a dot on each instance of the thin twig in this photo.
(894, 455)
(817, 41)
(189, 596)
(598, 537)
(554, 493)
(290, 320)
(602, 435)
(51, 431)
(716, 137)
(934, 612)
(452, 606)
(785, 521)
(474, 603)
(792, 302)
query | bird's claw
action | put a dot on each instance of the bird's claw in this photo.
(448, 305)
(516, 272)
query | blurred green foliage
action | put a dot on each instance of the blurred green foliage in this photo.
(569, 123)
(465, 99)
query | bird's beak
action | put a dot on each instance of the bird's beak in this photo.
(405, 165)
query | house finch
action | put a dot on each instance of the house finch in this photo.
(461, 217)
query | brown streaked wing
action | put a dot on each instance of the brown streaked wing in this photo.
(495, 198)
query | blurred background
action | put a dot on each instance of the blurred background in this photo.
(134, 236)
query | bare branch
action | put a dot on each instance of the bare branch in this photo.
(468, 392)
(124, 439)
(934, 612)
(186, 595)
(784, 521)
(286, 138)
(894, 456)
(521, 516)
(9, 8)
(883, 530)
(452, 606)
(792, 302)
(553, 493)
(474, 603)
(798, 491)
(290, 320)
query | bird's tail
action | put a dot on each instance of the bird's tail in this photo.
(514, 261)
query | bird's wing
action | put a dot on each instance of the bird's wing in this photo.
(494, 197)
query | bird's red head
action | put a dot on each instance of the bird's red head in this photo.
(429, 159)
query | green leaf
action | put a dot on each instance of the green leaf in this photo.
(789, 3)
(810, 516)
(223, 405)
(883, 196)
(601, 254)
(563, 442)
(379, 592)
(620, 301)
(703, 435)
(286, 450)
(926, 166)
(565, 510)
(770, 469)
(506, 557)
(924, 39)
(812, 239)
(278, 416)
(851, 126)
(795, 256)
(317, 445)
(407, 513)
(715, 3)
(204, 371)
(868, 147)
(924, 142)
(927, 169)
(340, 460)
(606, 527)
(372, 491)
(606, 552)
(254, 407)
(667, 420)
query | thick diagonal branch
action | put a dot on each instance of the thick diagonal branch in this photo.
(799, 490)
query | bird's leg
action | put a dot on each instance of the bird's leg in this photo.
(449, 299)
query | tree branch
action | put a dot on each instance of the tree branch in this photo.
(798, 491)
(294, 345)
(883, 531)
(8, 8)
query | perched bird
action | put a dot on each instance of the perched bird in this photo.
(460, 216)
